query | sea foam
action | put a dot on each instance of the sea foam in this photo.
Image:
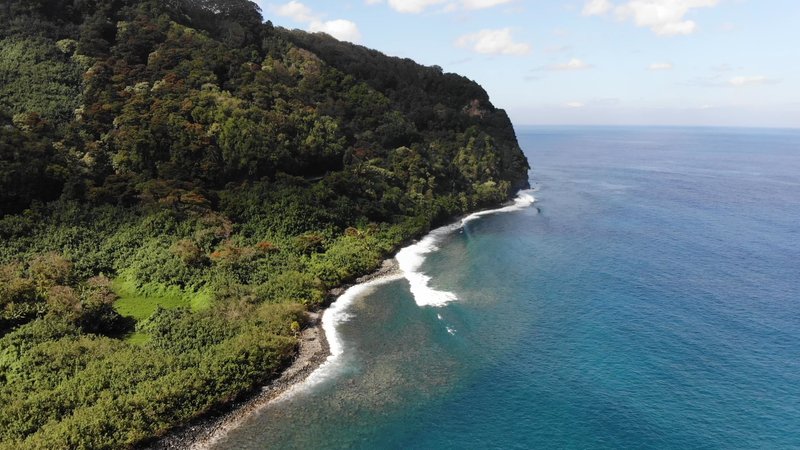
(411, 258)
(336, 314)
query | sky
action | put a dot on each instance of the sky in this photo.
(590, 62)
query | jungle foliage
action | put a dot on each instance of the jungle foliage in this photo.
(185, 150)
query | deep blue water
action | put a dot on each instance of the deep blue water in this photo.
(650, 298)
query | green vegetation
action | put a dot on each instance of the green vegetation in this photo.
(131, 303)
(180, 183)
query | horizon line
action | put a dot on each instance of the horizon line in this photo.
(619, 125)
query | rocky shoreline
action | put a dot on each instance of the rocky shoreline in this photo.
(313, 351)
(204, 432)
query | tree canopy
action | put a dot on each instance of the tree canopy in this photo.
(180, 182)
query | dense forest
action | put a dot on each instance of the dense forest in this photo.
(181, 181)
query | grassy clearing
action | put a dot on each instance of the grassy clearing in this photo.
(133, 304)
(137, 338)
(139, 306)
(200, 300)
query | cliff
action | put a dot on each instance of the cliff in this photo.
(180, 182)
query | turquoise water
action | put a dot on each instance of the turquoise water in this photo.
(650, 298)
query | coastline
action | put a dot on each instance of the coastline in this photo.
(314, 349)
(313, 352)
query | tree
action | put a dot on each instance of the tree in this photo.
(50, 269)
(96, 304)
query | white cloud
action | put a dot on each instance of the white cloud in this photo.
(663, 17)
(418, 6)
(344, 30)
(572, 64)
(341, 29)
(295, 11)
(574, 105)
(373, 2)
(413, 6)
(493, 42)
(596, 7)
(660, 66)
(718, 80)
(750, 80)
(483, 4)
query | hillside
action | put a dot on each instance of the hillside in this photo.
(180, 182)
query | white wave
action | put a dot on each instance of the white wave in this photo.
(451, 330)
(410, 258)
(335, 315)
(523, 200)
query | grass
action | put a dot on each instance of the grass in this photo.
(133, 304)
(137, 338)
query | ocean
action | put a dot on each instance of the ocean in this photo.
(648, 298)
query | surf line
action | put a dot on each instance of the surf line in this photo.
(411, 258)
(409, 261)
